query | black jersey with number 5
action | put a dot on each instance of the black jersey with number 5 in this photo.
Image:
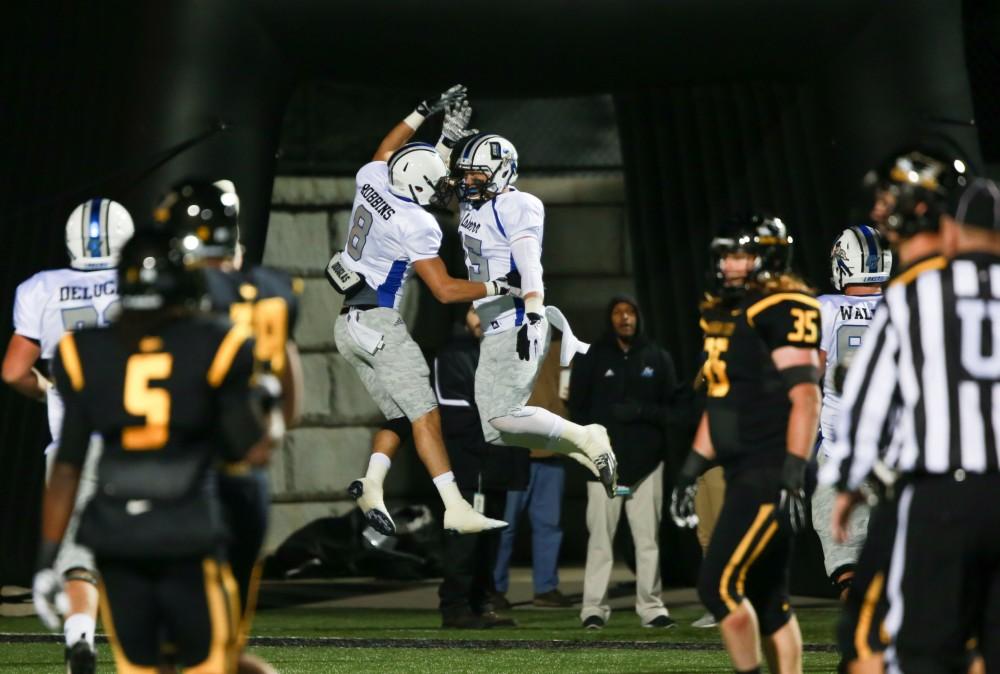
(168, 406)
(747, 402)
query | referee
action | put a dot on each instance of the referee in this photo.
(934, 346)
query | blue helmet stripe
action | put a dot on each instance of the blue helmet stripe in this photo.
(873, 256)
(93, 234)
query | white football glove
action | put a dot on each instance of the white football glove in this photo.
(456, 121)
(530, 336)
(49, 596)
(432, 104)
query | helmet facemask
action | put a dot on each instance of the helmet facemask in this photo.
(484, 167)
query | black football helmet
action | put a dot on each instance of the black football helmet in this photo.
(763, 236)
(152, 274)
(204, 218)
(912, 176)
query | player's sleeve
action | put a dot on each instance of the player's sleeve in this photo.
(28, 310)
(828, 313)
(868, 404)
(77, 427)
(423, 238)
(240, 416)
(519, 215)
(787, 319)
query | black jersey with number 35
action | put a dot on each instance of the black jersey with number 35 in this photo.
(262, 299)
(747, 401)
(168, 407)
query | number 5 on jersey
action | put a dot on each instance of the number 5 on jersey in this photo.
(143, 399)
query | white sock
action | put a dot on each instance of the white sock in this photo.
(378, 466)
(538, 427)
(448, 488)
(79, 626)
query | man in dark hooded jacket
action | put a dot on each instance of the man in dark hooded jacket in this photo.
(628, 384)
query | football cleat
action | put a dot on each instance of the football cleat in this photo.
(598, 448)
(81, 658)
(368, 496)
(463, 519)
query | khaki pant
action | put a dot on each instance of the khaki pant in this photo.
(644, 510)
(708, 504)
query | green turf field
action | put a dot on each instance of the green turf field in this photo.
(384, 643)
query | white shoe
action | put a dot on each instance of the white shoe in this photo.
(368, 496)
(462, 519)
(707, 620)
(598, 448)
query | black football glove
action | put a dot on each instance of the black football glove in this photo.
(682, 499)
(793, 494)
(530, 337)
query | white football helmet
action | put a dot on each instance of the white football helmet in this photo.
(418, 174)
(95, 233)
(490, 154)
(860, 256)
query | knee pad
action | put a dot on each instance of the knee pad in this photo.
(401, 426)
(81, 574)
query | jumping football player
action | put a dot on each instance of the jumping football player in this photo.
(502, 230)
(46, 306)
(391, 236)
(860, 263)
(762, 330)
(168, 388)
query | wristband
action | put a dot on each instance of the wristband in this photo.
(491, 288)
(534, 305)
(414, 120)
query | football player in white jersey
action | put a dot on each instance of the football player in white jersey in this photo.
(502, 230)
(46, 306)
(860, 264)
(391, 236)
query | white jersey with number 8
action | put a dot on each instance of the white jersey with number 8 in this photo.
(50, 303)
(845, 321)
(387, 234)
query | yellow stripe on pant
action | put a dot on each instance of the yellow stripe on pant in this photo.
(221, 652)
(734, 560)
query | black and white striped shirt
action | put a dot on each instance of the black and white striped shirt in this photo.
(923, 392)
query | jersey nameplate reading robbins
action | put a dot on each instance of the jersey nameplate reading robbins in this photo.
(343, 280)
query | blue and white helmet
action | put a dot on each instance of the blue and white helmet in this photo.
(417, 173)
(486, 153)
(859, 256)
(95, 233)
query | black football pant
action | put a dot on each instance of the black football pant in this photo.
(469, 560)
(860, 632)
(748, 556)
(943, 584)
(187, 608)
(246, 499)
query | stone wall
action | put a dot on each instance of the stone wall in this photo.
(586, 258)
